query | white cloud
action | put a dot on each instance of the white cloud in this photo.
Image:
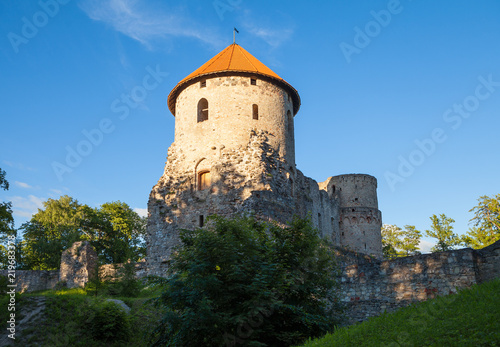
(135, 19)
(26, 207)
(18, 166)
(274, 31)
(425, 246)
(22, 185)
(143, 212)
(57, 191)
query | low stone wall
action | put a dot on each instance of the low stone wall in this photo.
(370, 286)
(33, 280)
(111, 271)
(487, 262)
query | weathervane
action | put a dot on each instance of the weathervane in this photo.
(234, 35)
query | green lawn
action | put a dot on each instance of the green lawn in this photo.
(469, 318)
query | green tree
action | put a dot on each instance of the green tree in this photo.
(410, 240)
(397, 242)
(442, 230)
(390, 240)
(7, 230)
(52, 230)
(486, 223)
(114, 229)
(246, 282)
(118, 233)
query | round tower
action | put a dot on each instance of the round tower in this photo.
(219, 104)
(360, 219)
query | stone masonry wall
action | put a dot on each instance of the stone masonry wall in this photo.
(78, 264)
(230, 117)
(34, 280)
(370, 286)
(251, 179)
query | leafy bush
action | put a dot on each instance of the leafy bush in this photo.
(107, 322)
(127, 284)
(246, 282)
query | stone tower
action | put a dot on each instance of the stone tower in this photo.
(234, 152)
(360, 218)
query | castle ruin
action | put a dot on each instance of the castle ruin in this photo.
(234, 153)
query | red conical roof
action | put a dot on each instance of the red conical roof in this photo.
(234, 58)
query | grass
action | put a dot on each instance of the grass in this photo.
(74, 318)
(469, 318)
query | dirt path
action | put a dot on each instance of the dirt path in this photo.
(31, 312)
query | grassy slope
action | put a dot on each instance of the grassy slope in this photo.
(67, 313)
(469, 318)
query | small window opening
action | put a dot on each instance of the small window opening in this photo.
(333, 189)
(355, 199)
(353, 210)
(255, 111)
(253, 81)
(202, 110)
(203, 180)
(203, 84)
(290, 122)
(365, 245)
(202, 221)
(342, 233)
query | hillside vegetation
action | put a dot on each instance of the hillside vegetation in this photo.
(469, 318)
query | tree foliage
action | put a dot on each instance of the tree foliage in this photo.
(114, 229)
(397, 242)
(6, 221)
(244, 282)
(442, 230)
(485, 228)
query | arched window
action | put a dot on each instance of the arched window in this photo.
(203, 180)
(290, 121)
(255, 111)
(202, 110)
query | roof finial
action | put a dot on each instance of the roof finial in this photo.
(234, 35)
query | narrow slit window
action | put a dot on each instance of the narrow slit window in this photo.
(255, 111)
(203, 84)
(202, 110)
(204, 180)
(253, 81)
(202, 221)
(290, 122)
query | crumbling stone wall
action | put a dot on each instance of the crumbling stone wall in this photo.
(112, 271)
(371, 286)
(78, 264)
(34, 280)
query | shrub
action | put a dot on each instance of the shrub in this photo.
(107, 322)
(246, 282)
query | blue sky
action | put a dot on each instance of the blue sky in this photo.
(407, 91)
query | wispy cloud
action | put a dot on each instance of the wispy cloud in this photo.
(56, 191)
(26, 207)
(143, 212)
(140, 21)
(22, 185)
(18, 166)
(274, 30)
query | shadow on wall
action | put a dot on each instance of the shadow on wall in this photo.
(370, 286)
